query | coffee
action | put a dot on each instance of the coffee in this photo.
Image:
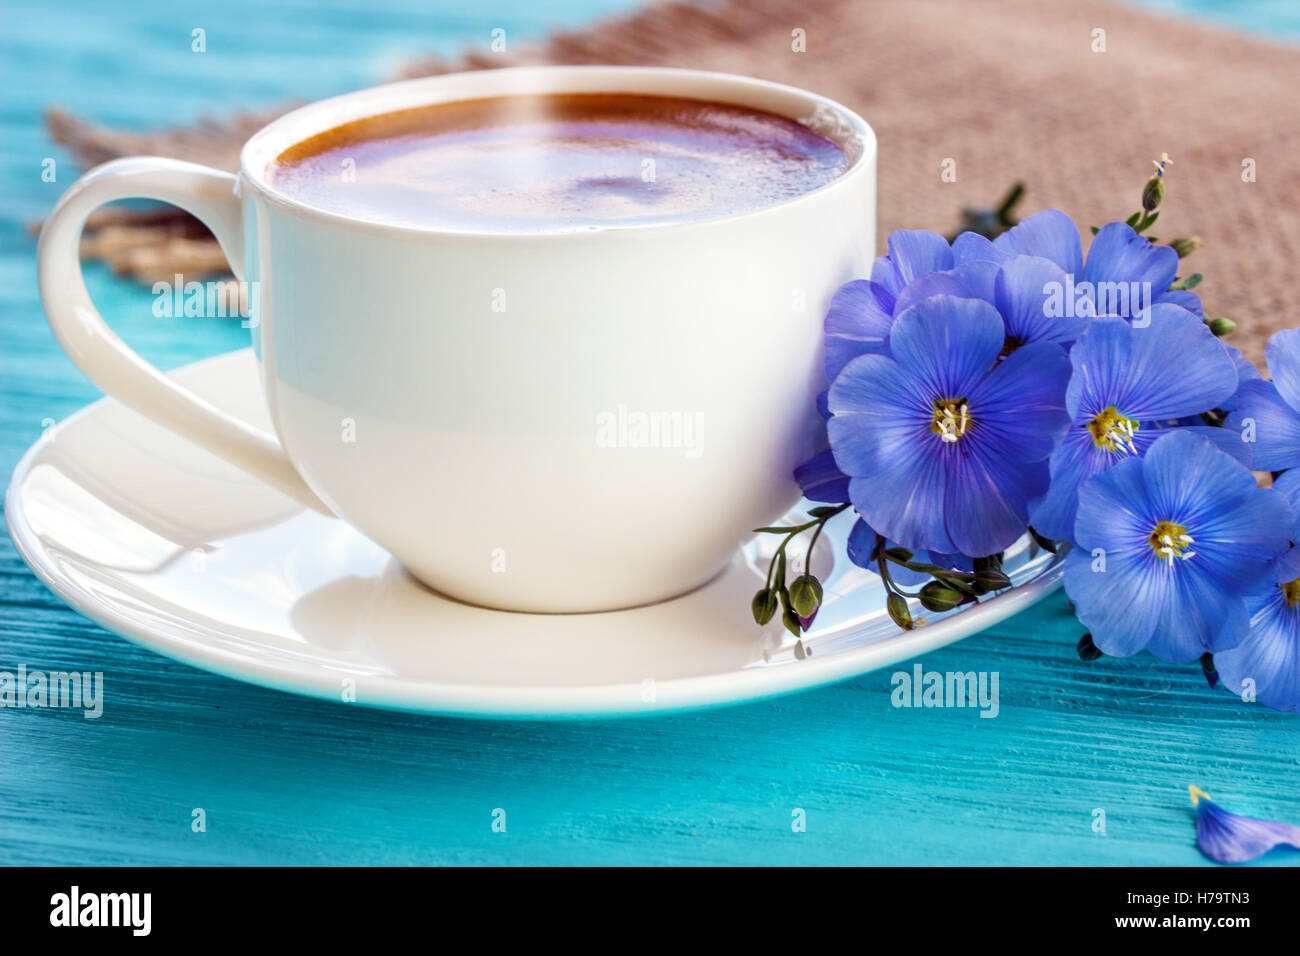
(558, 162)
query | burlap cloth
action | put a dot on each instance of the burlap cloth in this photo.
(1008, 89)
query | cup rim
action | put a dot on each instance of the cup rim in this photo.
(257, 154)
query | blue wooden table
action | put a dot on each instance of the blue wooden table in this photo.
(286, 780)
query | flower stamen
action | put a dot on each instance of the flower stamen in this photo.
(1169, 541)
(1113, 431)
(951, 419)
(1291, 591)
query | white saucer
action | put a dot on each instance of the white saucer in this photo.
(173, 549)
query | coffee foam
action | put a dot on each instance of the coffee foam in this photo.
(558, 162)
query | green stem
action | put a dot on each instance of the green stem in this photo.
(925, 569)
(882, 562)
(817, 523)
(807, 558)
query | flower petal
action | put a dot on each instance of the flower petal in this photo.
(857, 323)
(1113, 512)
(1238, 545)
(974, 280)
(1113, 599)
(1227, 440)
(1269, 656)
(1196, 615)
(1186, 477)
(820, 479)
(1120, 255)
(880, 434)
(947, 343)
(1019, 406)
(1050, 234)
(1283, 353)
(1288, 567)
(1231, 838)
(1023, 296)
(1073, 462)
(884, 274)
(1076, 459)
(905, 502)
(876, 411)
(861, 543)
(915, 252)
(1184, 299)
(1288, 486)
(971, 246)
(986, 501)
(1273, 426)
(1246, 371)
(1128, 367)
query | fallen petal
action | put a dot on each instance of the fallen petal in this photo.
(1231, 838)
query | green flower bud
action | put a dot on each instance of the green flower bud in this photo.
(1186, 245)
(764, 606)
(1222, 325)
(1209, 670)
(791, 622)
(824, 511)
(938, 597)
(897, 605)
(993, 579)
(805, 595)
(1153, 193)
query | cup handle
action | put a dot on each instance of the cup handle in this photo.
(105, 359)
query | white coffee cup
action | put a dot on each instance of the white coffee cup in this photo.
(557, 422)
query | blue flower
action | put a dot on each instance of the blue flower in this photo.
(1168, 547)
(1270, 411)
(1231, 838)
(1266, 665)
(1119, 263)
(944, 445)
(1122, 387)
(863, 310)
(921, 264)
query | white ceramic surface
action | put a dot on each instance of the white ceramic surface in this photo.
(179, 551)
(458, 435)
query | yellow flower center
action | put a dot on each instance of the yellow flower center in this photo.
(1169, 541)
(951, 419)
(1113, 431)
(1291, 591)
